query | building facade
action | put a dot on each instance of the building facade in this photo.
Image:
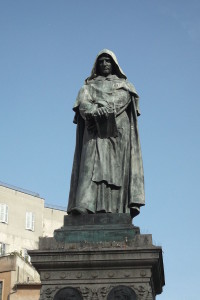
(15, 271)
(23, 219)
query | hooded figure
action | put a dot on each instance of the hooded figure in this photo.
(107, 174)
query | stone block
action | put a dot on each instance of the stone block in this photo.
(125, 265)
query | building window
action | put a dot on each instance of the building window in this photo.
(2, 249)
(30, 221)
(1, 290)
(3, 213)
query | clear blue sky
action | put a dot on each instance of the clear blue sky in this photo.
(47, 49)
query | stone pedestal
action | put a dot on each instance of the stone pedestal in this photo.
(99, 257)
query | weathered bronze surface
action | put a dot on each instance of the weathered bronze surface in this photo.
(122, 293)
(107, 174)
(97, 228)
(68, 294)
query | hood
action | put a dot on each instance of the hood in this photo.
(119, 71)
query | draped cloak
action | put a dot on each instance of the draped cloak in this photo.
(107, 173)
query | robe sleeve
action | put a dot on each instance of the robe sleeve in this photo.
(85, 102)
(123, 102)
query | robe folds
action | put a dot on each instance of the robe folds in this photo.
(107, 173)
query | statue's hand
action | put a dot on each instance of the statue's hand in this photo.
(101, 112)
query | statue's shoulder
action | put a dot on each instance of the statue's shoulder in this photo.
(130, 87)
(125, 84)
(83, 89)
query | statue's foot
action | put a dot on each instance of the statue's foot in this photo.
(78, 211)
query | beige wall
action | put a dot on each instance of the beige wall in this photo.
(7, 263)
(26, 292)
(14, 233)
(5, 277)
(53, 219)
(14, 269)
(24, 272)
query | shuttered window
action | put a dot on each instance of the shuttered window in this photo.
(30, 221)
(2, 248)
(3, 213)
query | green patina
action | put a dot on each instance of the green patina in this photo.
(96, 228)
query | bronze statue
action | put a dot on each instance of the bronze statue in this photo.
(107, 174)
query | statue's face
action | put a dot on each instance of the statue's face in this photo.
(105, 66)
